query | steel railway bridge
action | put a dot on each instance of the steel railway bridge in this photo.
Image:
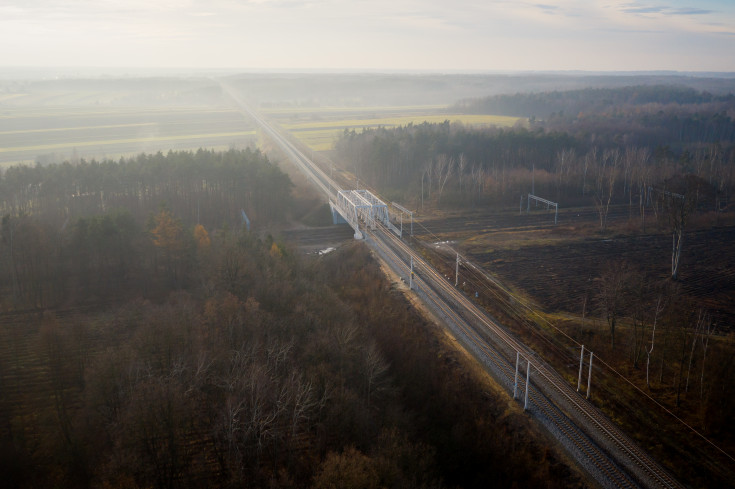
(356, 206)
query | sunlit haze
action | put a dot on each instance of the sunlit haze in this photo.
(431, 35)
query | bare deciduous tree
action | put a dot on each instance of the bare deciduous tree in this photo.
(643, 173)
(444, 166)
(612, 284)
(374, 368)
(676, 207)
(656, 314)
(707, 332)
(564, 161)
(607, 169)
(461, 166)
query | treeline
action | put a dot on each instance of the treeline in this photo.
(650, 116)
(208, 187)
(451, 165)
(398, 158)
(87, 232)
(541, 105)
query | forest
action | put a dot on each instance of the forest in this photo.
(456, 166)
(150, 339)
(71, 232)
(651, 116)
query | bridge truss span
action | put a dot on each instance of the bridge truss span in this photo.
(357, 206)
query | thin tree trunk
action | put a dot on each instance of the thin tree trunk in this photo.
(653, 338)
(691, 354)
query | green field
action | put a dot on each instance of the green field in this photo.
(320, 128)
(53, 134)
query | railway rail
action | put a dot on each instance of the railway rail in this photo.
(554, 397)
(609, 455)
(597, 462)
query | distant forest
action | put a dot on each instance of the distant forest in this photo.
(544, 104)
(650, 116)
(206, 187)
(634, 137)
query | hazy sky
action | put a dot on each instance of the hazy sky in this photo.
(471, 35)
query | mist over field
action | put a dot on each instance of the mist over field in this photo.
(52, 116)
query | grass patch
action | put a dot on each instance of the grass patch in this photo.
(336, 109)
(320, 135)
(320, 140)
(469, 119)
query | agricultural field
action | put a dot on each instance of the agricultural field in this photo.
(318, 128)
(59, 128)
(51, 121)
(56, 134)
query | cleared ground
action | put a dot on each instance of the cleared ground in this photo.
(556, 265)
(554, 269)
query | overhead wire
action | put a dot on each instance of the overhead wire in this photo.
(484, 278)
(521, 301)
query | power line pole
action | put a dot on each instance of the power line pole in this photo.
(456, 272)
(410, 277)
(528, 377)
(515, 380)
(581, 361)
(589, 376)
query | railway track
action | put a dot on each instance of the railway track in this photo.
(597, 462)
(553, 397)
(611, 456)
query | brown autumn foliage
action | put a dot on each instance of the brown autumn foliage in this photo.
(226, 386)
(164, 363)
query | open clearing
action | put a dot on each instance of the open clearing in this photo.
(556, 265)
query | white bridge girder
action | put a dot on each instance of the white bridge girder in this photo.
(357, 206)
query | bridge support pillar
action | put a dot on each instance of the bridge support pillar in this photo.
(337, 217)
